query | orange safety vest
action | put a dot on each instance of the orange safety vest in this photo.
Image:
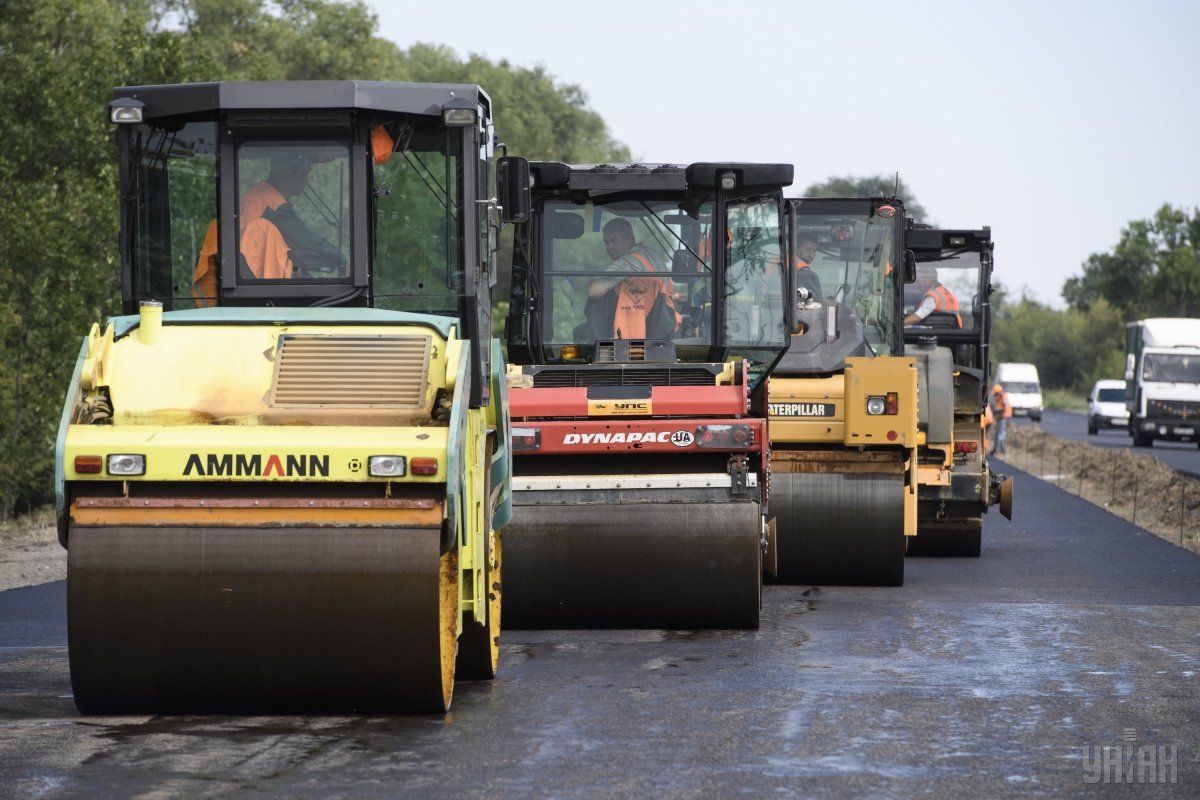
(1002, 407)
(204, 279)
(636, 296)
(945, 301)
(263, 246)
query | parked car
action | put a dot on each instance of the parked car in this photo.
(1106, 407)
(1020, 382)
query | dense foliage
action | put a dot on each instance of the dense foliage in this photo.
(1153, 271)
(59, 60)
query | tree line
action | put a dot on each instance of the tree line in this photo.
(59, 61)
(1153, 271)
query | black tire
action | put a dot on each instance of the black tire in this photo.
(1093, 429)
(1143, 439)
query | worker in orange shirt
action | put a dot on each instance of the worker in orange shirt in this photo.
(938, 299)
(1003, 413)
(636, 295)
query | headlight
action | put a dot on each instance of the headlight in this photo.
(387, 466)
(876, 406)
(126, 464)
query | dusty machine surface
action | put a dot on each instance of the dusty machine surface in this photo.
(281, 473)
(951, 347)
(647, 307)
(843, 399)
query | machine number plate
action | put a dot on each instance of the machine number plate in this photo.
(801, 409)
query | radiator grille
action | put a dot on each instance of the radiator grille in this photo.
(1173, 409)
(345, 371)
(618, 376)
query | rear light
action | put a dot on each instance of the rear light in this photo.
(726, 436)
(893, 404)
(126, 465)
(525, 439)
(966, 447)
(386, 466)
(89, 465)
(424, 466)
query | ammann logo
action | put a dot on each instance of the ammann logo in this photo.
(257, 466)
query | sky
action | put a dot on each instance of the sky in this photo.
(1054, 123)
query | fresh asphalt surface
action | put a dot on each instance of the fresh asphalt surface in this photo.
(981, 678)
(1183, 456)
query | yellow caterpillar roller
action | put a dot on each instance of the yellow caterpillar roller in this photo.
(282, 472)
(843, 399)
(948, 326)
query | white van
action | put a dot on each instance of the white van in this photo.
(1024, 390)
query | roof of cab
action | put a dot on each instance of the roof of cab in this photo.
(401, 98)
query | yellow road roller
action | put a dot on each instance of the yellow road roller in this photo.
(282, 472)
(842, 401)
(948, 326)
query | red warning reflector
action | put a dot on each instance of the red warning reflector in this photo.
(891, 435)
(89, 465)
(423, 466)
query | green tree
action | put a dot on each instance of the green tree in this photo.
(1154, 271)
(868, 186)
(59, 60)
(1072, 348)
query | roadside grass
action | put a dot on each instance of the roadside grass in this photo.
(1065, 400)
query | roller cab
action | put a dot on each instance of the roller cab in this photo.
(951, 345)
(843, 399)
(282, 472)
(647, 308)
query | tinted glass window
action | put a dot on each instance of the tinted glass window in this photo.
(175, 231)
(294, 211)
(418, 179)
(627, 269)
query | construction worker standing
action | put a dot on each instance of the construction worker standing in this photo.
(1003, 414)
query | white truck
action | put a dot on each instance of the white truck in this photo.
(1162, 380)
(1024, 390)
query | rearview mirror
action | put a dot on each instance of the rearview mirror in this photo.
(910, 266)
(512, 180)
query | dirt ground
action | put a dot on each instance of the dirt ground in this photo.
(1135, 486)
(29, 551)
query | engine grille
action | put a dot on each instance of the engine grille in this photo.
(1173, 409)
(343, 371)
(621, 376)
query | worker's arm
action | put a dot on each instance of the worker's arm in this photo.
(601, 286)
(308, 250)
(928, 304)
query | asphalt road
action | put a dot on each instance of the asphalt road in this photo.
(1183, 456)
(979, 678)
